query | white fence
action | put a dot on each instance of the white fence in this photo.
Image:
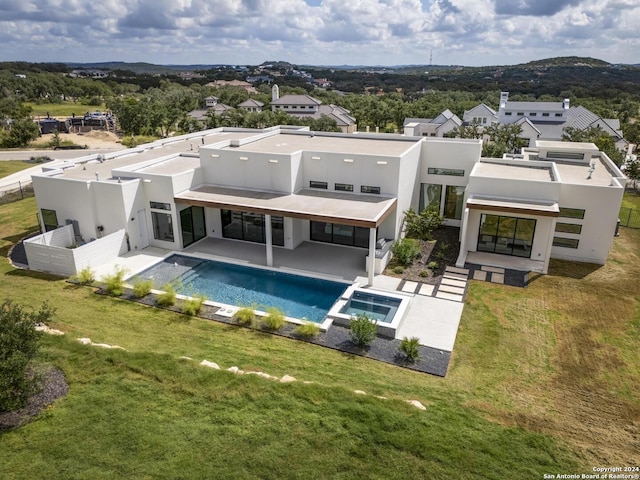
(55, 252)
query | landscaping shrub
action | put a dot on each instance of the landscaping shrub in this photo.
(421, 225)
(193, 305)
(274, 320)
(432, 265)
(442, 250)
(114, 283)
(167, 297)
(405, 250)
(84, 276)
(425, 273)
(19, 343)
(363, 330)
(398, 270)
(142, 288)
(245, 316)
(308, 330)
(409, 347)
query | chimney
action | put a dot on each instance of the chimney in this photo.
(565, 104)
(504, 97)
(275, 93)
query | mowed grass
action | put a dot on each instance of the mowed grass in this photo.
(65, 109)
(631, 200)
(7, 167)
(543, 380)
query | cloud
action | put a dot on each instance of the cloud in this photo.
(532, 7)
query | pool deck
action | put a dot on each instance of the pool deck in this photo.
(433, 320)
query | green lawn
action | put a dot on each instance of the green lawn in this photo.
(543, 380)
(66, 109)
(7, 167)
(631, 200)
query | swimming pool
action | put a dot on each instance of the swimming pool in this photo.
(296, 295)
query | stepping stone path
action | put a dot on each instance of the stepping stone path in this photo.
(489, 274)
(453, 284)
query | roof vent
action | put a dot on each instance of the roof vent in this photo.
(234, 143)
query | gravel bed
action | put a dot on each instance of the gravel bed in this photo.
(53, 385)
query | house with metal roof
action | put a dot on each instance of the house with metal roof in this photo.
(432, 127)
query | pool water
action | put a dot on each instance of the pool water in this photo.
(296, 295)
(376, 307)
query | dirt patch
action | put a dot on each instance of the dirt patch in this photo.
(435, 256)
(96, 139)
(52, 386)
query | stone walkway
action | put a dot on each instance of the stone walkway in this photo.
(452, 286)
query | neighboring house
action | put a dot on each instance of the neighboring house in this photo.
(306, 106)
(283, 186)
(212, 106)
(482, 114)
(432, 127)
(251, 105)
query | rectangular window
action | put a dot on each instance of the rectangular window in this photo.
(162, 226)
(454, 202)
(343, 187)
(508, 114)
(314, 184)
(566, 155)
(50, 219)
(160, 205)
(568, 228)
(520, 114)
(572, 213)
(339, 234)
(430, 195)
(545, 114)
(565, 242)
(250, 227)
(369, 189)
(446, 171)
(533, 114)
(558, 114)
(484, 121)
(506, 235)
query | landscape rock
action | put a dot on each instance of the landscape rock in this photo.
(207, 363)
(45, 329)
(359, 392)
(416, 404)
(85, 341)
(287, 379)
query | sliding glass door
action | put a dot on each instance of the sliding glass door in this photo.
(506, 235)
(250, 227)
(192, 224)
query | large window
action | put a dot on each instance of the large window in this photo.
(506, 235)
(430, 194)
(50, 219)
(162, 226)
(369, 189)
(343, 187)
(250, 227)
(568, 228)
(340, 234)
(565, 242)
(192, 224)
(316, 184)
(454, 202)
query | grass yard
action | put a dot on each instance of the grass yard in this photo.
(543, 380)
(7, 167)
(66, 109)
(631, 200)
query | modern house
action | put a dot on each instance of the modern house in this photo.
(251, 105)
(284, 186)
(304, 106)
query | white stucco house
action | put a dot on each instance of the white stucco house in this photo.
(283, 186)
(432, 127)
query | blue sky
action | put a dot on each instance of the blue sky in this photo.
(321, 32)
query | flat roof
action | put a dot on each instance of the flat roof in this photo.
(284, 143)
(513, 171)
(567, 146)
(549, 209)
(578, 173)
(320, 205)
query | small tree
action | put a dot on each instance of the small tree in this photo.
(18, 345)
(410, 348)
(421, 225)
(405, 250)
(363, 330)
(632, 171)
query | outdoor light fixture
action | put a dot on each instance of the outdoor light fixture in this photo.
(273, 160)
(315, 158)
(215, 155)
(381, 162)
(244, 158)
(348, 160)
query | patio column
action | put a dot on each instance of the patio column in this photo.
(547, 252)
(372, 254)
(267, 234)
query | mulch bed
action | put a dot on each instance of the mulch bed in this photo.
(52, 386)
(443, 250)
(432, 360)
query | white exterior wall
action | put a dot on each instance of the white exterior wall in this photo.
(601, 205)
(406, 192)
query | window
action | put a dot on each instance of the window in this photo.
(533, 114)
(559, 115)
(506, 235)
(339, 234)
(484, 121)
(369, 189)
(314, 184)
(572, 213)
(453, 202)
(565, 242)
(192, 225)
(250, 227)
(507, 114)
(520, 114)
(566, 155)
(545, 114)
(430, 194)
(446, 171)
(50, 219)
(568, 228)
(343, 187)
(162, 226)
(160, 206)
